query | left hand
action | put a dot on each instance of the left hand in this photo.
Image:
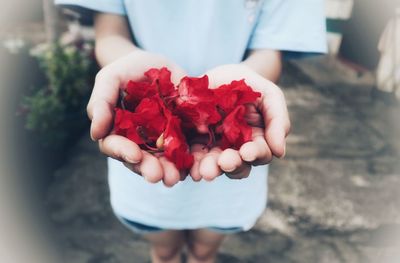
(270, 121)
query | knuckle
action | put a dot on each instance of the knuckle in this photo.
(101, 73)
(279, 93)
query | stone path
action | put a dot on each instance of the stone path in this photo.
(334, 198)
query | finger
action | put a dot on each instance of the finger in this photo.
(275, 114)
(150, 168)
(243, 171)
(229, 160)
(121, 148)
(208, 167)
(275, 135)
(102, 102)
(102, 115)
(257, 151)
(231, 163)
(171, 175)
(198, 151)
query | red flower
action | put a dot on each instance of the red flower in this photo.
(123, 121)
(154, 128)
(135, 91)
(235, 130)
(161, 79)
(149, 117)
(195, 90)
(155, 114)
(157, 82)
(145, 125)
(236, 93)
(196, 104)
(175, 147)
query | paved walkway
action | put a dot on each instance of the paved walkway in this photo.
(335, 198)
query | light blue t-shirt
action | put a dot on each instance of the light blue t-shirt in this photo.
(199, 35)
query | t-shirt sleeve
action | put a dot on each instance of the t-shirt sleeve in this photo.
(296, 27)
(87, 6)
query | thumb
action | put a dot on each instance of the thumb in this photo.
(276, 119)
(275, 136)
(102, 115)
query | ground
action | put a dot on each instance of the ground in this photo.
(334, 198)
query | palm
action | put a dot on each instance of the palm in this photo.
(205, 167)
(270, 125)
(101, 111)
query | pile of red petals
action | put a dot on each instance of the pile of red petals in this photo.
(162, 118)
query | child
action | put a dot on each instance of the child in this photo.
(227, 40)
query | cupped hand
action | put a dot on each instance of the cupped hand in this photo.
(270, 123)
(100, 109)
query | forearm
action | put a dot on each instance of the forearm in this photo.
(113, 39)
(267, 63)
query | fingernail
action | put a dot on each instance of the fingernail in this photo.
(284, 151)
(230, 170)
(168, 186)
(91, 136)
(130, 159)
(91, 130)
(249, 158)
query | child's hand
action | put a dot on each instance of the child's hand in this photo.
(269, 118)
(100, 110)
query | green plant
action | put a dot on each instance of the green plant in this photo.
(55, 112)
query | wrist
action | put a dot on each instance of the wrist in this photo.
(265, 62)
(149, 59)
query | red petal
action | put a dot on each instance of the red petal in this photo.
(196, 103)
(199, 115)
(235, 130)
(234, 94)
(175, 146)
(149, 114)
(136, 91)
(195, 90)
(162, 78)
(124, 125)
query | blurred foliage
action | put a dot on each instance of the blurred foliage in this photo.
(55, 113)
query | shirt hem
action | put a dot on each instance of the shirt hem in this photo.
(245, 223)
(222, 224)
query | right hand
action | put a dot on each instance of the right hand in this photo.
(100, 110)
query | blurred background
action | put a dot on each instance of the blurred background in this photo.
(334, 198)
